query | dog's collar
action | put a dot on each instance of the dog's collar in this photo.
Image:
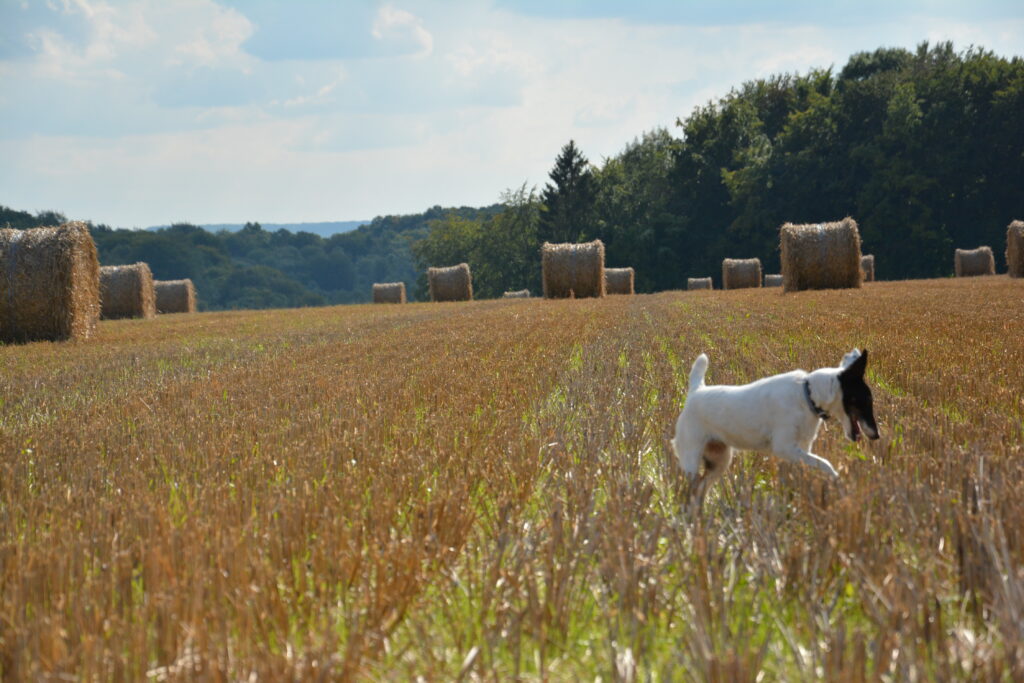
(810, 401)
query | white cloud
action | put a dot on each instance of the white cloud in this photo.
(394, 25)
(137, 112)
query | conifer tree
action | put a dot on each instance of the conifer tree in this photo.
(567, 211)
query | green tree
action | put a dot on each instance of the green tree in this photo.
(567, 214)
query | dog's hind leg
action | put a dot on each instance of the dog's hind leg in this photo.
(716, 456)
(798, 455)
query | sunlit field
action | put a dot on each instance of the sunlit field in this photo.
(485, 491)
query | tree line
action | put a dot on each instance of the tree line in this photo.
(924, 148)
(256, 268)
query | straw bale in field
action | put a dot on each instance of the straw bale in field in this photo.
(970, 262)
(389, 292)
(127, 292)
(454, 283)
(698, 283)
(573, 270)
(49, 283)
(739, 273)
(773, 280)
(1015, 249)
(175, 296)
(618, 280)
(867, 266)
(821, 256)
(518, 294)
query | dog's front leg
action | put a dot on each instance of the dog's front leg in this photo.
(799, 455)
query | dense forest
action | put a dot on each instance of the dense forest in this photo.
(925, 149)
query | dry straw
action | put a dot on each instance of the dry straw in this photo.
(1015, 249)
(454, 283)
(618, 280)
(175, 296)
(970, 262)
(573, 270)
(49, 283)
(698, 283)
(773, 280)
(739, 273)
(821, 256)
(867, 266)
(518, 294)
(389, 292)
(127, 292)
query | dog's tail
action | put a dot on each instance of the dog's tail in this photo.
(697, 372)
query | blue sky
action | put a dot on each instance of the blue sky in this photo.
(143, 112)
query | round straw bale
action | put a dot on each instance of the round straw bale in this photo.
(1015, 248)
(389, 292)
(49, 283)
(127, 292)
(698, 283)
(518, 294)
(573, 270)
(454, 283)
(821, 256)
(971, 262)
(618, 280)
(739, 273)
(773, 280)
(175, 296)
(867, 266)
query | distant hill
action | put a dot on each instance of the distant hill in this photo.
(324, 229)
(261, 266)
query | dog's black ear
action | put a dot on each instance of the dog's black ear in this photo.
(857, 367)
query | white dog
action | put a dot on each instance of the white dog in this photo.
(779, 414)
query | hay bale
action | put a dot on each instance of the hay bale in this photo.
(1015, 249)
(389, 292)
(971, 262)
(698, 283)
(127, 292)
(821, 256)
(454, 283)
(618, 280)
(518, 294)
(773, 280)
(867, 266)
(739, 273)
(573, 270)
(175, 296)
(49, 283)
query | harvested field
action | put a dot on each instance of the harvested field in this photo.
(387, 492)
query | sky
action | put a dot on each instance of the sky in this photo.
(144, 112)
